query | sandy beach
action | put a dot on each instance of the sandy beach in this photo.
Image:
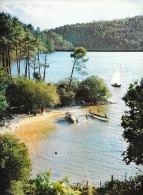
(39, 121)
(32, 130)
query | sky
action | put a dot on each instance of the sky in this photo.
(48, 14)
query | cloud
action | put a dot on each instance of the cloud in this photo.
(4, 8)
(54, 13)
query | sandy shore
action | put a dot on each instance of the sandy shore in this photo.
(38, 121)
(32, 130)
(23, 119)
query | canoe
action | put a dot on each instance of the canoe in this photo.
(70, 117)
(98, 116)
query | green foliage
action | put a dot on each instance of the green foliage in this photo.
(79, 53)
(66, 97)
(132, 122)
(37, 76)
(17, 188)
(25, 93)
(19, 42)
(92, 89)
(15, 165)
(3, 102)
(46, 94)
(119, 34)
(43, 185)
(51, 45)
(3, 86)
(131, 186)
(56, 42)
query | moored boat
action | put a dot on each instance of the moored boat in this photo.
(98, 116)
(116, 82)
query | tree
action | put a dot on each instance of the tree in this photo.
(67, 97)
(25, 93)
(3, 102)
(132, 122)
(78, 56)
(50, 45)
(92, 89)
(11, 41)
(15, 165)
(46, 94)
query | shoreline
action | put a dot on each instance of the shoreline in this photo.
(20, 119)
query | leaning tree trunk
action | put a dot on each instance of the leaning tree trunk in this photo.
(72, 74)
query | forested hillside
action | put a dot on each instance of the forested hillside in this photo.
(58, 42)
(121, 34)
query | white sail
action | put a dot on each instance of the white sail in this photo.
(116, 78)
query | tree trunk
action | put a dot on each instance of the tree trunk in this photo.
(17, 60)
(9, 62)
(72, 74)
(39, 64)
(34, 67)
(26, 69)
(45, 67)
(19, 65)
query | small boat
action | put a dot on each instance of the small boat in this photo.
(70, 117)
(116, 81)
(98, 116)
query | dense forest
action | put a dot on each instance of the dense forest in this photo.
(119, 34)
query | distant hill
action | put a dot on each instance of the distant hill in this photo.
(119, 34)
(58, 42)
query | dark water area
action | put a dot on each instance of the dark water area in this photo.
(90, 150)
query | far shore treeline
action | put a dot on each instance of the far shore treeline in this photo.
(114, 35)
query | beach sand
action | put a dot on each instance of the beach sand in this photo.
(32, 130)
(39, 121)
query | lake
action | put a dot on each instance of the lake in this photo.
(90, 150)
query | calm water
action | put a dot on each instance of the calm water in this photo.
(90, 150)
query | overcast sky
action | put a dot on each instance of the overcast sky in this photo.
(48, 14)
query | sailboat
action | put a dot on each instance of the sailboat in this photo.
(116, 81)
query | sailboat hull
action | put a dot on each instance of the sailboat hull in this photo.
(116, 85)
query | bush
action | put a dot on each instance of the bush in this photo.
(26, 94)
(42, 185)
(15, 165)
(93, 90)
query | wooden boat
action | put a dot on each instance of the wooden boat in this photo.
(98, 116)
(70, 117)
(116, 79)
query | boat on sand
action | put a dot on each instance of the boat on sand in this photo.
(70, 117)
